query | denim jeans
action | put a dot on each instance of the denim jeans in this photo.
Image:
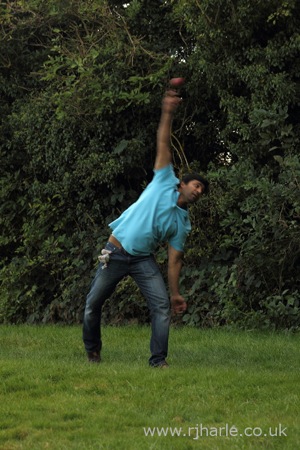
(145, 272)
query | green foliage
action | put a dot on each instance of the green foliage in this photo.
(250, 273)
(248, 234)
(80, 86)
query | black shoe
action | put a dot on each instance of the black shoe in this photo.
(162, 365)
(94, 357)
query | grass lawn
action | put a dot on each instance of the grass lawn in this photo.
(224, 390)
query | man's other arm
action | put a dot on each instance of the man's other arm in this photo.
(178, 302)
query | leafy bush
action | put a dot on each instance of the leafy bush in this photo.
(81, 86)
(250, 275)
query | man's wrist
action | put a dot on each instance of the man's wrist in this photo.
(168, 112)
(176, 296)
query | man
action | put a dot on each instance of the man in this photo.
(159, 215)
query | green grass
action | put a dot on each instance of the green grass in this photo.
(51, 398)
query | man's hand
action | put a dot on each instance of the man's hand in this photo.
(178, 304)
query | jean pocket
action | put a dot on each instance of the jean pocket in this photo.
(150, 268)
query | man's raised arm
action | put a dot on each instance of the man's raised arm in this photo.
(170, 103)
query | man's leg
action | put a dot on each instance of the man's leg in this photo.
(102, 287)
(147, 275)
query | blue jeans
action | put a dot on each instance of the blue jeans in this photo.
(145, 272)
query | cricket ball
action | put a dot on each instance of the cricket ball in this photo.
(176, 82)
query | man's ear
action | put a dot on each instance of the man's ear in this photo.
(181, 185)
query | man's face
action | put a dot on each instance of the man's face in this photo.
(191, 191)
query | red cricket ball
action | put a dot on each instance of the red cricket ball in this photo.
(176, 82)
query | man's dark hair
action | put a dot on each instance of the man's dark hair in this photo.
(195, 176)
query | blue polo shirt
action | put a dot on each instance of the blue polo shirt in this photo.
(154, 218)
